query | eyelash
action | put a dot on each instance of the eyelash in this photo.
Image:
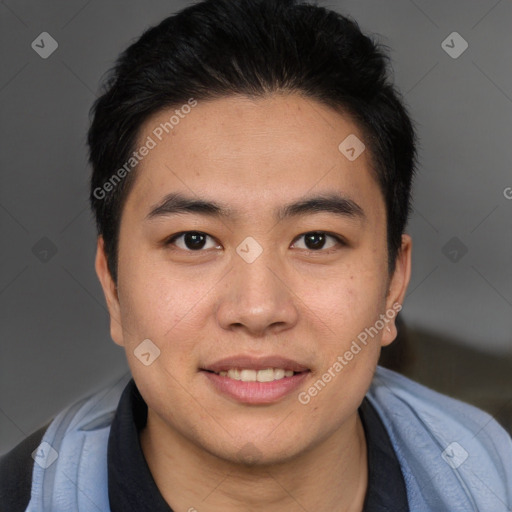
(340, 241)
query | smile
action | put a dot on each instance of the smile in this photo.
(249, 375)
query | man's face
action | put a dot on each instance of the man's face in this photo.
(253, 285)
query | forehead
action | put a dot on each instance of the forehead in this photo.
(251, 153)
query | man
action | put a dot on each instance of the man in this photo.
(252, 168)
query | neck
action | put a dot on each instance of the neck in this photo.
(332, 475)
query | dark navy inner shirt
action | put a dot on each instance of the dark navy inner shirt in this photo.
(131, 486)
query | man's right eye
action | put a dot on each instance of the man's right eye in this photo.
(190, 241)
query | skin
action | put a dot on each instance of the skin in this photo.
(200, 306)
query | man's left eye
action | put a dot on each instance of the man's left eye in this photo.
(316, 240)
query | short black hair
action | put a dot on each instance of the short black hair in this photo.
(219, 48)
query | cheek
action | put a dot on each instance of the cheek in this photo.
(159, 305)
(344, 312)
(347, 349)
(347, 301)
(165, 311)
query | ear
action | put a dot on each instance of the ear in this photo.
(396, 289)
(110, 291)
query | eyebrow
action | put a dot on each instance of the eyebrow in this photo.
(178, 203)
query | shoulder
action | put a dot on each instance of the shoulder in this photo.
(388, 385)
(20, 477)
(406, 405)
(16, 473)
(453, 455)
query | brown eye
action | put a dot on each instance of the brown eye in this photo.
(317, 240)
(190, 241)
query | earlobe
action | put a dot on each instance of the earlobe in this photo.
(398, 288)
(389, 334)
(110, 292)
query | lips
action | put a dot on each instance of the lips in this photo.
(244, 362)
(246, 379)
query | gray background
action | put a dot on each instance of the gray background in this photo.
(55, 343)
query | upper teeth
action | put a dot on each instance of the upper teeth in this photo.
(266, 375)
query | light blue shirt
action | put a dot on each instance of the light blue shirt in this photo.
(454, 457)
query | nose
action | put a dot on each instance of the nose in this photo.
(257, 297)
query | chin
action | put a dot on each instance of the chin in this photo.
(257, 454)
